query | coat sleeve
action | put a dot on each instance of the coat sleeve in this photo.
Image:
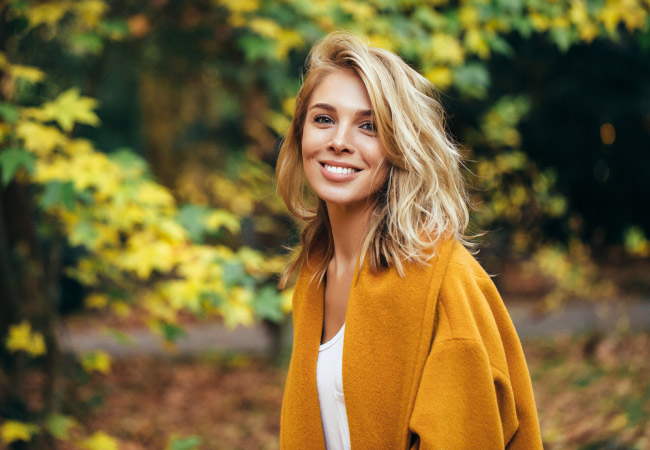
(462, 403)
(475, 390)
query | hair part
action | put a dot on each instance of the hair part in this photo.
(424, 199)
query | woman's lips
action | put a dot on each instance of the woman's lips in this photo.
(334, 171)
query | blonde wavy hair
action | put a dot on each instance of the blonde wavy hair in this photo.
(423, 200)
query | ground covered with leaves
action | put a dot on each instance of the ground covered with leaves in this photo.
(593, 392)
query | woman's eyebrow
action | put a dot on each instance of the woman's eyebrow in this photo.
(328, 107)
(324, 106)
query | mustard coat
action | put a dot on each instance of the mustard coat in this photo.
(430, 361)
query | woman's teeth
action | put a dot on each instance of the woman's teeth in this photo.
(342, 170)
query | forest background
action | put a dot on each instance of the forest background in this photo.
(138, 140)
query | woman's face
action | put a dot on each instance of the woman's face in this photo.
(342, 154)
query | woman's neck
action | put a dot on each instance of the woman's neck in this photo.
(349, 228)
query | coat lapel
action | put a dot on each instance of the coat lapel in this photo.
(388, 332)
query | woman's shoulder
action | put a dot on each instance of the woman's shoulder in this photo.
(463, 263)
(468, 300)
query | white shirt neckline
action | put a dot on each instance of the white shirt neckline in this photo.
(332, 341)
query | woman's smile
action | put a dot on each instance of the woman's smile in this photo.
(336, 171)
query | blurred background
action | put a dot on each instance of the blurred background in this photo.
(141, 238)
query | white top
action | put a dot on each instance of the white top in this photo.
(329, 379)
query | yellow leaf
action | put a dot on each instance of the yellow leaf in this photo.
(265, 27)
(171, 231)
(446, 48)
(380, 41)
(540, 22)
(588, 32)
(93, 170)
(223, 219)
(469, 16)
(610, 15)
(158, 308)
(560, 22)
(49, 13)
(289, 105)
(90, 12)
(278, 122)
(618, 422)
(360, 11)
(41, 139)
(150, 193)
(146, 253)
(96, 301)
(476, 43)
(287, 299)
(22, 338)
(286, 41)
(12, 431)
(26, 73)
(98, 361)
(578, 12)
(240, 6)
(79, 147)
(69, 107)
(100, 441)
(238, 310)
(440, 76)
(120, 309)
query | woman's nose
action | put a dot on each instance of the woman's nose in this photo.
(341, 140)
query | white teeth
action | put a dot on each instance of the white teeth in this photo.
(341, 170)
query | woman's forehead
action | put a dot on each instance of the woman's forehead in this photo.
(341, 88)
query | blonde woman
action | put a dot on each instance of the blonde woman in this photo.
(401, 340)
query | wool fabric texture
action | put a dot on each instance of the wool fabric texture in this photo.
(431, 360)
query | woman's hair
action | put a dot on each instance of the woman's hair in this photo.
(423, 200)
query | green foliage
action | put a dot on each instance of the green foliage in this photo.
(171, 332)
(12, 159)
(56, 193)
(636, 242)
(268, 304)
(184, 443)
(60, 426)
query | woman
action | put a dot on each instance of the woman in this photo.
(401, 340)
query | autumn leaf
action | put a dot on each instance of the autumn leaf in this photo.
(96, 301)
(90, 12)
(49, 13)
(440, 76)
(100, 441)
(28, 73)
(446, 48)
(67, 109)
(12, 431)
(22, 338)
(98, 361)
(222, 218)
(287, 300)
(40, 139)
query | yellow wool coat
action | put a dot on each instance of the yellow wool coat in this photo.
(430, 361)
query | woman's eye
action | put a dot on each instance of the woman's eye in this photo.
(369, 126)
(323, 119)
